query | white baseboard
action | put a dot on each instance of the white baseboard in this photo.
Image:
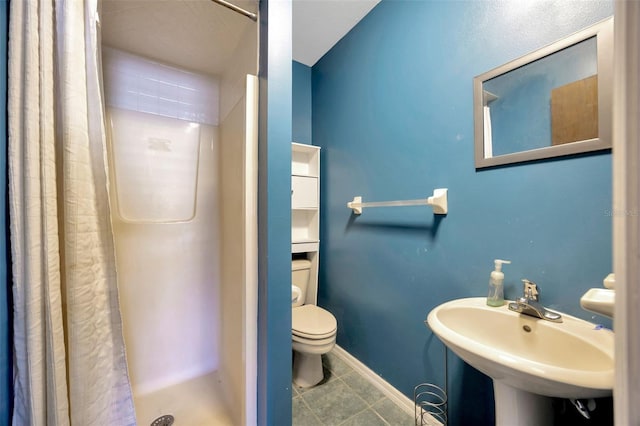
(382, 385)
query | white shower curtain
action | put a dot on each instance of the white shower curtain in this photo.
(70, 365)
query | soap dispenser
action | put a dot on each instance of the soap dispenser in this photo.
(496, 284)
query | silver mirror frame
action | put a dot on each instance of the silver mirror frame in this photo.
(603, 31)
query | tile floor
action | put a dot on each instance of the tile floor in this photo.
(345, 398)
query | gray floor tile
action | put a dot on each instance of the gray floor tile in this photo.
(344, 398)
(311, 394)
(302, 416)
(335, 403)
(393, 414)
(337, 366)
(363, 387)
(299, 390)
(366, 418)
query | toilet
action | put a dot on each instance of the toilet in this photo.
(313, 329)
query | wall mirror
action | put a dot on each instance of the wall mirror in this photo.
(552, 102)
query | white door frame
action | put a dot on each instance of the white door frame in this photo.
(251, 252)
(626, 211)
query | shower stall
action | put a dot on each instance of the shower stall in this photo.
(181, 98)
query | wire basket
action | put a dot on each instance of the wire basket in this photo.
(430, 403)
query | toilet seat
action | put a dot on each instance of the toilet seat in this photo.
(312, 337)
(313, 342)
(311, 322)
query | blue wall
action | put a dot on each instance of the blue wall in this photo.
(5, 340)
(392, 111)
(274, 215)
(301, 103)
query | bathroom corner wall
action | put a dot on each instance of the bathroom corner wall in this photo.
(301, 78)
(6, 368)
(393, 113)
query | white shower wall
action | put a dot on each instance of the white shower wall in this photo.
(238, 194)
(169, 273)
(140, 84)
(169, 277)
(189, 290)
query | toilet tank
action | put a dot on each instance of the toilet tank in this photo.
(300, 270)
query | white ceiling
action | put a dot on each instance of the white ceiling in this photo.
(319, 24)
(201, 35)
(195, 34)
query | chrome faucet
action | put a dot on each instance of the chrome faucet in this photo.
(529, 304)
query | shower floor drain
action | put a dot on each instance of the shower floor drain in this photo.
(166, 420)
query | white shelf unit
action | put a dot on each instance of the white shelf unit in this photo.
(305, 210)
(305, 160)
(305, 198)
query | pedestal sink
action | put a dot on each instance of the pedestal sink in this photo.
(529, 359)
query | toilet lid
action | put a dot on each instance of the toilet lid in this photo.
(312, 320)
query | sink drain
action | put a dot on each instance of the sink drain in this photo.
(166, 420)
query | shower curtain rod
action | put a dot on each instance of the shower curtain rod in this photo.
(235, 8)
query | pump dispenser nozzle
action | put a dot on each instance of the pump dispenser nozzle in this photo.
(498, 264)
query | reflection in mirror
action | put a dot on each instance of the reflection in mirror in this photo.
(521, 113)
(555, 101)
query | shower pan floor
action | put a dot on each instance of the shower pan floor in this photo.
(198, 401)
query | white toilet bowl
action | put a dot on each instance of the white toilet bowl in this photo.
(313, 331)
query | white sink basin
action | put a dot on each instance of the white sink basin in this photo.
(529, 359)
(599, 300)
(572, 359)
